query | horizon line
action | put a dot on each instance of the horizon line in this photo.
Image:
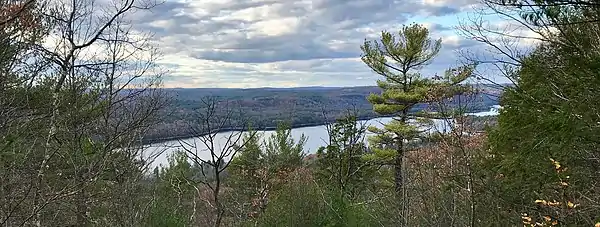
(356, 86)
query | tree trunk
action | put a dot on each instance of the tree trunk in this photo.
(398, 172)
(219, 208)
(399, 182)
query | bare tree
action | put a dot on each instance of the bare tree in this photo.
(443, 178)
(213, 149)
(456, 142)
(526, 24)
(102, 82)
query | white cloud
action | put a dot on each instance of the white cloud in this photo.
(452, 40)
(274, 27)
(435, 2)
(161, 23)
(257, 43)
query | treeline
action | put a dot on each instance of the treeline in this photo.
(266, 107)
(72, 129)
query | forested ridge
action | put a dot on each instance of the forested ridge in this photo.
(81, 91)
(301, 107)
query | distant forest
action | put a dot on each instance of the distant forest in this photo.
(263, 108)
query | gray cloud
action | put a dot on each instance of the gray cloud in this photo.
(255, 43)
(217, 32)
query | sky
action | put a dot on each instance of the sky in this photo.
(292, 43)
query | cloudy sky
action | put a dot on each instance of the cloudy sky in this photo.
(290, 43)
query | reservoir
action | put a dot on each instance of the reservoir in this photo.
(316, 137)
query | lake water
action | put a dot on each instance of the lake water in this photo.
(316, 137)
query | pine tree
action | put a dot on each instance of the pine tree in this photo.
(282, 152)
(398, 59)
(340, 164)
(262, 166)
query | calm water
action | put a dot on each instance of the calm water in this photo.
(316, 137)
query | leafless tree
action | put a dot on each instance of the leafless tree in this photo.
(443, 177)
(505, 46)
(102, 81)
(526, 24)
(217, 138)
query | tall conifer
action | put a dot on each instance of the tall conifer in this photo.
(398, 58)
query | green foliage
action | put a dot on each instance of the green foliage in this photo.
(281, 151)
(171, 206)
(398, 59)
(298, 203)
(403, 87)
(551, 114)
(302, 202)
(277, 152)
(245, 168)
(76, 160)
(341, 164)
(261, 169)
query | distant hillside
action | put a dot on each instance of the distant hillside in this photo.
(302, 106)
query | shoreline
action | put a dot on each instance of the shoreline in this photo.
(268, 128)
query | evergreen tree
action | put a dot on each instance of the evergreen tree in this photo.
(247, 175)
(545, 145)
(340, 164)
(245, 168)
(261, 169)
(172, 193)
(398, 60)
(281, 151)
